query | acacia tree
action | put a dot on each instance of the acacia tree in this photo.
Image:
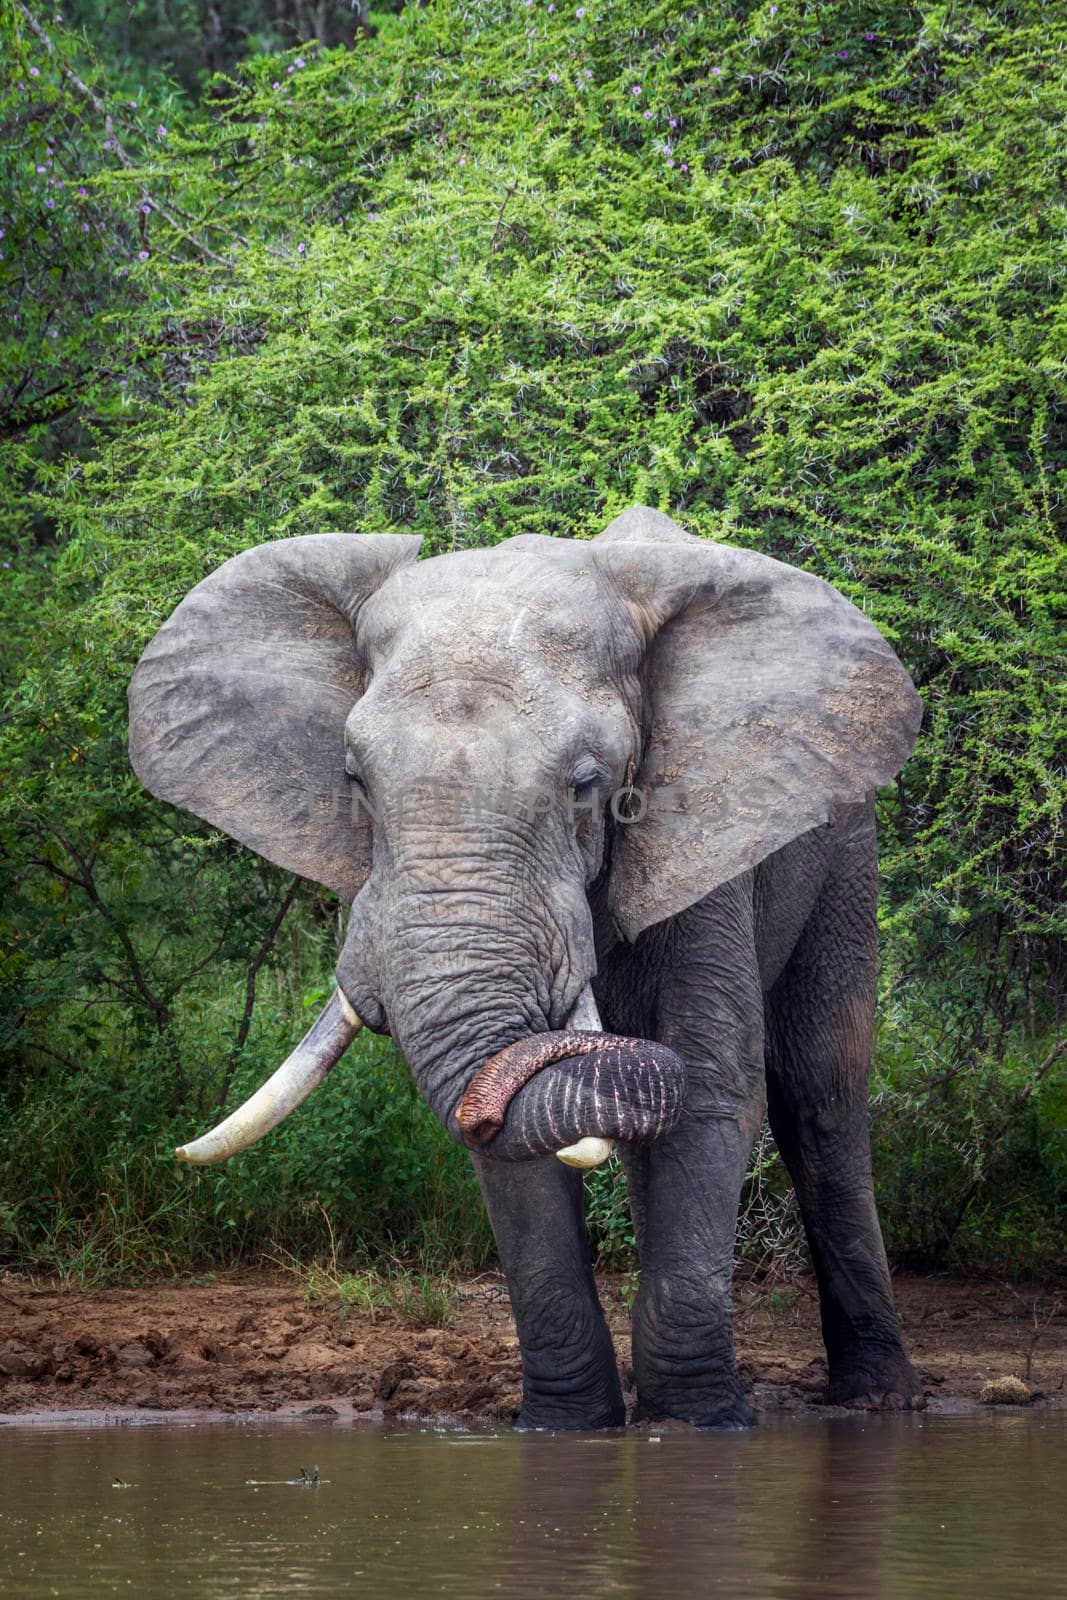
(494, 272)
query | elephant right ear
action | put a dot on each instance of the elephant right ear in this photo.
(238, 706)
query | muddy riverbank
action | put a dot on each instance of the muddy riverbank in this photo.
(250, 1341)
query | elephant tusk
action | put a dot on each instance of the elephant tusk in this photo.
(590, 1152)
(587, 1153)
(320, 1049)
(585, 1018)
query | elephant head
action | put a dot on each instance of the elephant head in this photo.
(469, 748)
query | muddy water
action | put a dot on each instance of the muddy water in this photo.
(970, 1506)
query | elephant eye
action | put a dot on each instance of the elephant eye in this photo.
(587, 774)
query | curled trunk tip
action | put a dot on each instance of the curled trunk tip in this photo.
(630, 1089)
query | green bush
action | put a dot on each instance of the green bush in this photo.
(92, 1188)
(791, 275)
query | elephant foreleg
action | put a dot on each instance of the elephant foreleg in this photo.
(683, 1349)
(570, 1377)
(686, 1187)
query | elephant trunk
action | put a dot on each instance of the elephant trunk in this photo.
(551, 1091)
(478, 989)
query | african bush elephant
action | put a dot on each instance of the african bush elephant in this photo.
(643, 763)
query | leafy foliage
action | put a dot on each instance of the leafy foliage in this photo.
(791, 275)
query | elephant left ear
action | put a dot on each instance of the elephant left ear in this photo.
(771, 701)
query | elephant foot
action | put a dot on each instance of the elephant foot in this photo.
(551, 1414)
(683, 1351)
(570, 1378)
(722, 1410)
(877, 1380)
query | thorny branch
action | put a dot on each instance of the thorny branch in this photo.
(80, 87)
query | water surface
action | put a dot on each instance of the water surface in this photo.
(893, 1507)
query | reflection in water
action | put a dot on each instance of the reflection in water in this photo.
(882, 1507)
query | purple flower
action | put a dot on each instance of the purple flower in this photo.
(372, 216)
(161, 132)
(843, 54)
(85, 227)
(462, 161)
(7, 563)
(774, 11)
(636, 89)
(868, 37)
(133, 105)
(648, 116)
(275, 84)
(670, 163)
(146, 210)
(42, 169)
(50, 203)
(142, 255)
(716, 72)
(684, 167)
(580, 11)
(300, 249)
(35, 72)
(553, 77)
(83, 192)
(418, 97)
(123, 382)
(300, 62)
(587, 72)
(673, 122)
(290, 70)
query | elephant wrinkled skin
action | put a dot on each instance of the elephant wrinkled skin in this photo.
(644, 762)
